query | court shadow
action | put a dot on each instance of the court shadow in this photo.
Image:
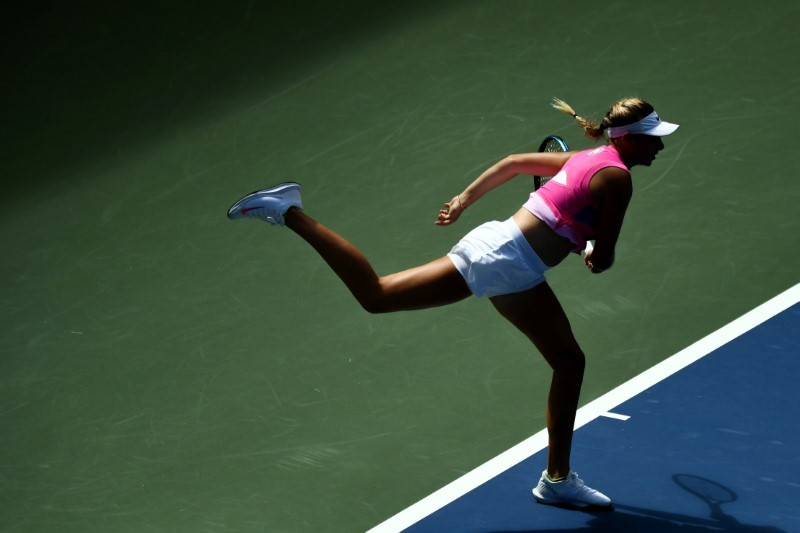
(96, 78)
(629, 518)
(713, 494)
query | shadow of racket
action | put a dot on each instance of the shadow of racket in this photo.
(711, 492)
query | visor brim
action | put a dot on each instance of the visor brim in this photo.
(662, 130)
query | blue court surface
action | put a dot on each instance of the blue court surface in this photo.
(707, 440)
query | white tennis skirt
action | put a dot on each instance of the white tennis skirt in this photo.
(495, 259)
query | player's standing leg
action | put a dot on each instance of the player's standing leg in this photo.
(539, 315)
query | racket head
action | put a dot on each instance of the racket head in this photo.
(551, 143)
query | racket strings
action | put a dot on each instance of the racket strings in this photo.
(552, 143)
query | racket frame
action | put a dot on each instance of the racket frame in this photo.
(551, 143)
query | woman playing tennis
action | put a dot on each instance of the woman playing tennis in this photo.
(506, 261)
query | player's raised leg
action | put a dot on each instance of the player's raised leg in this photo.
(430, 285)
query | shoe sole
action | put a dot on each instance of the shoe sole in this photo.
(272, 190)
(566, 504)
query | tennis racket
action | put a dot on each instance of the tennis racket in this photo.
(554, 143)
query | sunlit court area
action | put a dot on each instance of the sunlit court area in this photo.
(166, 369)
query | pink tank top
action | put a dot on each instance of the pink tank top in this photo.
(565, 204)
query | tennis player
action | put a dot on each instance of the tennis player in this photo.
(506, 261)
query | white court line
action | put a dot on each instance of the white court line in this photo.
(599, 407)
(615, 416)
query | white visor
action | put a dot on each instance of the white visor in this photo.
(649, 125)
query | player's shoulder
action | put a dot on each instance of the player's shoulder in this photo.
(612, 179)
(614, 173)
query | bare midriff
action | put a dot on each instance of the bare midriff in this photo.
(551, 247)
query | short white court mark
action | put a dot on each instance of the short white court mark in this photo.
(609, 414)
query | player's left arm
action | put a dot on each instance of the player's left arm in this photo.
(611, 189)
(539, 163)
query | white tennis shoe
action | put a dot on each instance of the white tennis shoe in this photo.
(569, 492)
(268, 204)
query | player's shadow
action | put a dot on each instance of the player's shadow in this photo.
(629, 518)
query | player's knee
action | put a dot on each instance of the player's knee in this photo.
(374, 304)
(373, 308)
(572, 361)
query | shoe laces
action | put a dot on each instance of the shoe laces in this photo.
(578, 483)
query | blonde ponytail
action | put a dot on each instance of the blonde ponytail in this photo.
(624, 112)
(591, 129)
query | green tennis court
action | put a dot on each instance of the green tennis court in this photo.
(164, 369)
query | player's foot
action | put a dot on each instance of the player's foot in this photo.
(268, 204)
(570, 492)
